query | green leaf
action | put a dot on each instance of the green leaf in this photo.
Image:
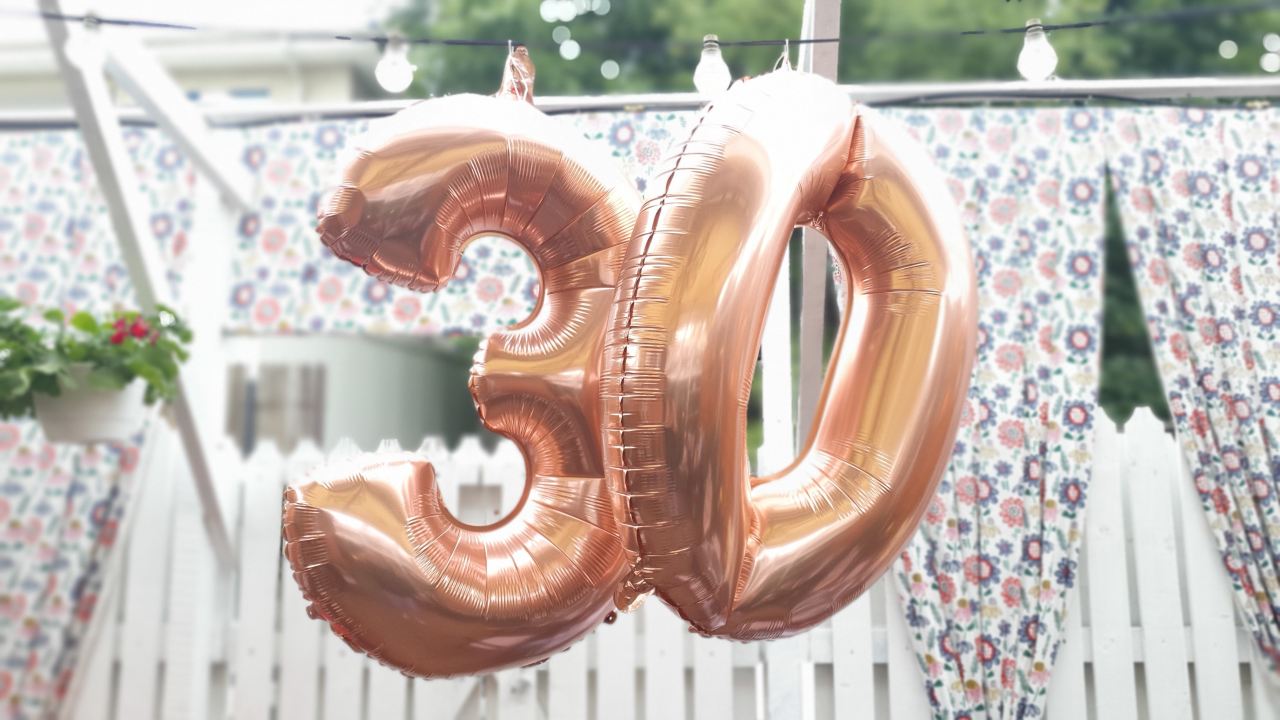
(14, 383)
(55, 316)
(8, 304)
(84, 322)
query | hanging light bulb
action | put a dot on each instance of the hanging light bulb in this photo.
(712, 76)
(394, 72)
(1037, 60)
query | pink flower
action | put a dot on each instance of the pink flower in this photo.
(279, 171)
(1011, 434)
(128, 459)
(967, 489)
(1008, 672)
(1039, 675)
(1012, 512)
(273, 240)
(1142, 200)
(946, 588)
(1007, 283)
(1004, 210)
(935, 512)
(1011, 592)
(1047, 192)
(999, 138)
(1009, 357)
(13, 607)
(329, 289)
(488, 289)
(266, 312)
(406, 308)
(9, 437)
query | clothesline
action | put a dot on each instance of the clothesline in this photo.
(1135, 90)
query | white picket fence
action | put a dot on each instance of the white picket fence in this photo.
(1152, 633)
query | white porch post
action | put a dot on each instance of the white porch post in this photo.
(81, 64)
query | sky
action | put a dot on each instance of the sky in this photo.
(15, 29)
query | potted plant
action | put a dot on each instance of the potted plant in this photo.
(87, 378)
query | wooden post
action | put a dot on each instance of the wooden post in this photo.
(80, 59)
(821, 18)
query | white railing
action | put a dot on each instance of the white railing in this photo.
(1151, 634)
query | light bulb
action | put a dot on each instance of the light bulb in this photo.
(712, 76)
(1228, 49)
(1271, 41)
(394, 72)
(1037, 60)
(1270, 62)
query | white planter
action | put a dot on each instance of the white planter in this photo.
(87, 415)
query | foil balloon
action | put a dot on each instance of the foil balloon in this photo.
(370, 542)
(761, 557)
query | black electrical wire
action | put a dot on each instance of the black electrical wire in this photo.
(1182, 15)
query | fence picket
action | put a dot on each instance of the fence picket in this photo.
(1211, 610)
(907, 698)
(852, 669)
(189, 632)
(144, 591)
(664, 687)
(616, 668)
(299, 634)
(712, 679)
(1113, 672)
(259, 577)
(1148, 465)
(567, 683)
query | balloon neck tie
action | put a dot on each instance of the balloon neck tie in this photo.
(784, 60)
(518, 75)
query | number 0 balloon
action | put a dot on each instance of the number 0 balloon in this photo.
(752, 558)
(627, 389)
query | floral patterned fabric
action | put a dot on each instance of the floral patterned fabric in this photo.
(984, 583)
(1199, 193)
(60, 506)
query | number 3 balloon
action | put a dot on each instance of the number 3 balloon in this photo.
(752, 558)
(370, 542)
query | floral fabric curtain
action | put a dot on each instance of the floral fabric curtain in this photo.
(1199, 193)
(984, 584)
(60, 508)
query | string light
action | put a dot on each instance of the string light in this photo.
(570, 49)
(1270, 62)
(1271, 41)
(1038, 60)
(712, 75)
(394, 72)
(1228, 49)
(610, 69)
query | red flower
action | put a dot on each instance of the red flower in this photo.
(1220, 502)
(117, 337)
(140, 328)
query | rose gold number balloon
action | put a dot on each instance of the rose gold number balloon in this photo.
(371, 543)
(753, 558)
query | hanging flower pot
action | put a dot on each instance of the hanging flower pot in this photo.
(88, 379)
(82, 413)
